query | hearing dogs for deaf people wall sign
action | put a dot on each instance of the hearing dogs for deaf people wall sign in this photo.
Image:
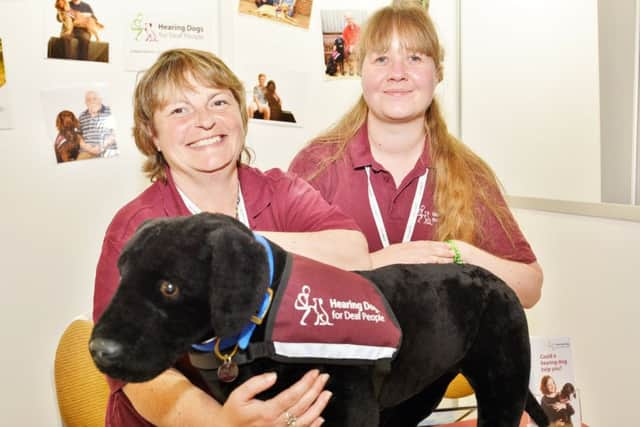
(151, 29)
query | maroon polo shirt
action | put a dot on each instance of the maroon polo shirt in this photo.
(344, 184)
(274, 200)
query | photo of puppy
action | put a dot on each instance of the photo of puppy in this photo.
(71, 19)
(67, 143)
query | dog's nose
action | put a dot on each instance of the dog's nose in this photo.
(104, 351)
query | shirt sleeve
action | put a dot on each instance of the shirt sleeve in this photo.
(502, 240)
(306, 210)
(305, 165)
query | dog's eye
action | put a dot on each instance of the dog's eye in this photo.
(168, 289)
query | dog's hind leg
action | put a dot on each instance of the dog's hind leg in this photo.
(410, 412)
(497, 366)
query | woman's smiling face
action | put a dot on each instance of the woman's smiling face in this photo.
(199, 130)
(398, 85)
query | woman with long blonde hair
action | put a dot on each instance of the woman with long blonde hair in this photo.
(418, 194)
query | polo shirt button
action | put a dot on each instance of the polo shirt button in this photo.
(386, 178)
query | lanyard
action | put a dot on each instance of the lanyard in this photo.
(241, 213)
(413, 213)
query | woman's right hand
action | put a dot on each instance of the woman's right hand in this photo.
(416, 252)
(303, 402)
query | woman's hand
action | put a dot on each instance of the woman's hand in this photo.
(418, 252)
(303, 402)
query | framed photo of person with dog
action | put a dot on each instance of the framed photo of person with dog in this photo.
(80, 124)
(296, 13)
(275, 95)
(76, 32)
(340, 33)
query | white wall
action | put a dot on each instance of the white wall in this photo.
(53, 217)
(591, 294)
(530, 101)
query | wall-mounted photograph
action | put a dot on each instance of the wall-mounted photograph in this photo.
(75, 30)
(152, 29)
(275, 96)
(5, 117)
(340, 33)
(3, 77)
(80, 124)
(290, 12)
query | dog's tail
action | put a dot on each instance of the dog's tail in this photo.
(535, 411)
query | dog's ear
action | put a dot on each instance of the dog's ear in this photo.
(238, 280)
(137, 242)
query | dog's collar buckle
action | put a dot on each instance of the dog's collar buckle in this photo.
(266, 303)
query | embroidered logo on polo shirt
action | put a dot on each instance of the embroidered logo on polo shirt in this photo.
(426, 217)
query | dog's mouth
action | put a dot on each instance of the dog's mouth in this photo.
(113, 359)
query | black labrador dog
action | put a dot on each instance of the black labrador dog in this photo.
(189, 278)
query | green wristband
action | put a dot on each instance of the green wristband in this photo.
(457, 258)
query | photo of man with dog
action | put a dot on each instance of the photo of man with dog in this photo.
(81, 129)
(79, 34)
(291, 12)
(340, 34)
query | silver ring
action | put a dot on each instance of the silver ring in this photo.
(290, 419)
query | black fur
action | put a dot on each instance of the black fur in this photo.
(454, 318)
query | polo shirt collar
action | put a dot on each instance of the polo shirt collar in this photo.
(174, 205)
(360, 153)
(255, 190)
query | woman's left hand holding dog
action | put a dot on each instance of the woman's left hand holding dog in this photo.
(299, 406)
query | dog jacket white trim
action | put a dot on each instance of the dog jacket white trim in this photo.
(324, 313)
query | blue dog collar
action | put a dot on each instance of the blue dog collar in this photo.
(242, 340)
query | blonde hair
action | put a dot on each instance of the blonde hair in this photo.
(462, 177)
(172, 72)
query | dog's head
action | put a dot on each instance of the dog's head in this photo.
(568, 391)
(181, 278)
(62, 5)
(66, 120)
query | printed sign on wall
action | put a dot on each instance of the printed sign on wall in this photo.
(151, 30)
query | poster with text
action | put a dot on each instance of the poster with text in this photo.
(552, 380)
(78, 30)
(79, 122)
(5, 113)
(152, 29)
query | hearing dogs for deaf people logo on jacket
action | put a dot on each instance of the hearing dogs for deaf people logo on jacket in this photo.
(322, 312)
(339, 309)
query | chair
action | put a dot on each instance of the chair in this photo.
(458, 388)
(81, 389)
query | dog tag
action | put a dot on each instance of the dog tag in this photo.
(228, 371)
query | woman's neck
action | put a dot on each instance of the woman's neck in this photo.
(215, 192)
(397, 147)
